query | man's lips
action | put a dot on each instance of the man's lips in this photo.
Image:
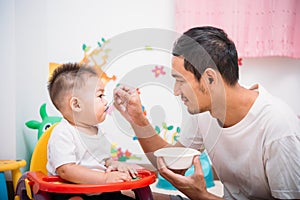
(184, 99)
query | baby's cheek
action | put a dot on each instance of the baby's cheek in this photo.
(101, 115)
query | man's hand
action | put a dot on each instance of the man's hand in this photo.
(193, 186)
(128, 103)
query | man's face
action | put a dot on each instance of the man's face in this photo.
(193, 92)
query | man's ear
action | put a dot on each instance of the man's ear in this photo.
(210, 76)
(75, 104)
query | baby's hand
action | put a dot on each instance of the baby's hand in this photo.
(122, 167)
(116, 176)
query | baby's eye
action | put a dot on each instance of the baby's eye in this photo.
(101, 95)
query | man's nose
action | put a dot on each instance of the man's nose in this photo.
(176, 89)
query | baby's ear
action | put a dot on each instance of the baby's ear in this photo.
(75, 104)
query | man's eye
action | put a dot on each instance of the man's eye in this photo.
(179, 81)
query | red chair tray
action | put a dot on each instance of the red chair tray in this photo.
(55, 184)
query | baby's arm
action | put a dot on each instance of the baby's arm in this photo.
(113, 165)
(80, 174)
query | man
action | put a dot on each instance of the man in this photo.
(254, 139)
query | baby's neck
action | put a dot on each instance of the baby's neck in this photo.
(90, 130)
(85, 128)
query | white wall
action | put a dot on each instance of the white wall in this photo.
(280, 76)
(34, 33)
(8, 81)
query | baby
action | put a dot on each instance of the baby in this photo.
(78, 150)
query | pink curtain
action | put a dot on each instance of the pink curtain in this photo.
(259, 28)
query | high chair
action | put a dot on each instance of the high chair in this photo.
(37, 185)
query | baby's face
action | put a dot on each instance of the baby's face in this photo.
(92, 101)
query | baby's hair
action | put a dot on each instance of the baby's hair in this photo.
(65, 79)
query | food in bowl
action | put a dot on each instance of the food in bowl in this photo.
(177, 157)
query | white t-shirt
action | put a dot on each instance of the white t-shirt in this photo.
(67, 145)
(259, 157)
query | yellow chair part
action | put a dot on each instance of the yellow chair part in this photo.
(39, 155)
(13, 166)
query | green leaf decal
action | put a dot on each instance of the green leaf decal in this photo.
(157, 129)
(164, 125)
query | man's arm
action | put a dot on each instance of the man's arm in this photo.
(152, 142)
(127, 102)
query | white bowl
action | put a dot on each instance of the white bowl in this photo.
(177, 157)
